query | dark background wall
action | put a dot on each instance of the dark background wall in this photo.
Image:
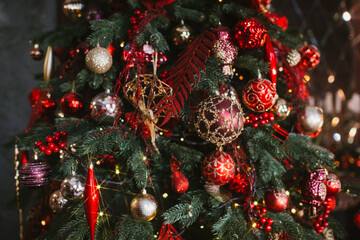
(19, 20)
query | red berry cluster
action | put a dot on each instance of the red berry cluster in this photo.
(135, 123)
(321, 221)
(54, 143)
(264, 223)
(134, 20)
(261, 119)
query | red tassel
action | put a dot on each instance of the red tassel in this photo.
(271, 58)
(91, 200)
(167, 232)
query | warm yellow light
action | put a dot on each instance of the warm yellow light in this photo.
(236, 205)
(352, 132)
(254, 225)
(287, 193)
(335, 121)
(122, 44)
(101, 214)
(341, 94)
(256, 203)
(117, 171)
(144, 158)
(307, 78)
(241, 77)
(281, 69)
(331, 78)
(165, 195)
(98, 186)
(43, 222)
(290, 90)
(161, 133)
(98, 162)
(182, 139)
(293, 210)
(202, 226)
(155, 236)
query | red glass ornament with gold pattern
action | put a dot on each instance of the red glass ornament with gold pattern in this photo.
(259, 95)
(218, 168)
(249, 34)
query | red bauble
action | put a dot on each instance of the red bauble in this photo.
(239, 184)
(91, 200)
(249, 34)
(34, 96)
(357, 220)
(333, 185)
(277, 201)
(314, 189)
(218, 168)
(179, 182)
(71, 104)
(259, 95)
(310, 57)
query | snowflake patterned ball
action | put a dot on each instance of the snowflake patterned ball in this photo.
(259, 95)
(219, 120)
(218, 168)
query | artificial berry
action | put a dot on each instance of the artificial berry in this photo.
(49, 139)
(263, 210)
(317, 225)
(137, 12)
(326, 216)
(318, 231)
(140, 16)
(327, 211)
(42, 148)
(321, 228)
(262, 122)
(57, 134)
(255, 125)
(269, 221)
(255, 118)
(247, 121)
(51, 145)
(62, 144)
(265, 115)
(320, 219)
(48, 151)
(38, 144)
(271, 118)
(263, 220)
(267, 228)
(63, 134)
(261, 117)
(258, 225)
(133, 20)
(56, 149)
(267, 120)
(325, 202)
(56, 138)
(328, 207)
(325, 224)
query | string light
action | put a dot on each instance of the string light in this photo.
(98, 186)
(144, 158)
(182, 139)
(43, 222)
(256, 203)
(337, 137)
(346, 16)
(236, 205)
(335, 121)
(101, 214)
(202, 226)
(331, 78)
(122, 44)
(161, 133)
(165, 195)
(254, 225)
(155, 236)
(287, 193)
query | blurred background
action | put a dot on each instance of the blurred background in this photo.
(333, 26)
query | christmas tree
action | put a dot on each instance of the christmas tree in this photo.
(176, 119)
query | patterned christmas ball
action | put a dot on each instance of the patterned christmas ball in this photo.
(249, 34)
(182, 35)
(277, 200)
(218, 168)
(74, 8)
(106, 104)
(71, 104)
(34, 174)
(259, 95)
(314, 188)
(143, 206)
(239, 184)
(312, 119)
(73, 186)
(98, 60)
(179, 182)
(225, 91)
(57, 201)
(36, 53)
(281, 109)
(310, 57)
(333, 184)
(219, 120)
(293, 57)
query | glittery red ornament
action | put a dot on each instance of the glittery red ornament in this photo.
(277, 200)
(218, 168)
(179, 182)
(239, 184)
(259, 95)
(310, 57)
(357, 220)
(333, 184)
(91, 200)
(314, 189)
(71, 104)
(34, 96)
(249, 34)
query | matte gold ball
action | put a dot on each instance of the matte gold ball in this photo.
(144, 207)
(281, 109)
(98, 60)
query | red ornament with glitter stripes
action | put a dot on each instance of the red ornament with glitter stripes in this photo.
(218, 168)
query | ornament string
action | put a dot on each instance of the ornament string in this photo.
(17, 185)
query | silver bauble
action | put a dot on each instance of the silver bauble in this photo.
(98, 60)
(73, 186)
(312, 119)
(143, 206)
(57, 201)
(106, 104)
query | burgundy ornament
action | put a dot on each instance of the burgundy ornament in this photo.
(259, 95)
(218, 168)
(310, 57)
(34, 96)
(314, 189)
(249, 34)
(239, 184)
(333, 185)
(277, 201)
(35, 174)
(71, 104)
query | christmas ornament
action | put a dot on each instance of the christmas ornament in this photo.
(218, 192)
(312, 119)
(151, 4)
(333, 185)
(73, 186)
(281, 109)
(219, 120)
(57, 201)
(259, 95)
(52, 143)
(293, 57)
(262, 119)
(98, 60)
(91, 200)
(167, 232)
(310, 57)
(277, 19)
(270, 57)
(133, 55)
(36, 53)
(71, 104)
(49, 64)
(277, 200)
(357, 220)
(34, 96)
(225, 91)
(73, 8)
(182, 35)
(314, 189)
(35, 174)
(94, 14)
(239, 184)
(106, 104)
(225, 50)
(179, 182)
(143, 206)
(218, 167)
(249, 34)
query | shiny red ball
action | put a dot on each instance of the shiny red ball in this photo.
(42, 148)
(239, 184)
(71, 104)
(62, 144)
(63, 134)
(48, 151)
(218, 168)
(56, 149)
(179, 182)
(333, 185)
(310, 57)
(259, 95)
(34, 96)
(357, 220)
(49, 138)
(277, 200)
(249, 34)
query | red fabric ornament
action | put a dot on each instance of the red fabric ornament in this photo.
(34, 96)
(151, 4)
(270, 57)
(167, 232)
(279, 20)
(314, 189)
(333, 184)
(310, 57)
(71, 104)
(277, 201)
(357, 220)
(249, 34)
(218, 167)
(259, 95)
(91, 200)
(239, 184)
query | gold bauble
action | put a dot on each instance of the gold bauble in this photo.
(57, 201)
(293, 57)
(281, 109)
(73, 8)
(98, 60)
(144, 206)
(182, 35)
(312, 119)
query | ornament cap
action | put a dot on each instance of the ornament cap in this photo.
(143, 191)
